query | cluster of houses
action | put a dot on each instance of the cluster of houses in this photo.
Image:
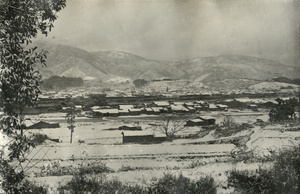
(156, 108)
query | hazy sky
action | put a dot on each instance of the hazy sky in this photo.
(183, 29)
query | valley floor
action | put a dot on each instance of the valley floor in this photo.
(98, 142)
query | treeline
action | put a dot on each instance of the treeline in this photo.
(57, 82)
(287, 80)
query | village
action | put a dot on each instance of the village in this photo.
(126, 134)
(128, 140)
(149, 97)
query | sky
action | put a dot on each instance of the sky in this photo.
(183, 29)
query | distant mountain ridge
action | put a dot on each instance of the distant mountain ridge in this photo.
(71, 61)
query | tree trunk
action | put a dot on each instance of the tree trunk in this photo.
(71, 135)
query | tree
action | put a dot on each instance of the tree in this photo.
(283, 110)
(140, 83)
(20, 21)
(171, 124)
(70, 116)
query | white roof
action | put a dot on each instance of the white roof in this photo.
(95, 107)
(178, 108)
(196, 120)
(149, 109)
(191, 108)
(200, 102)
(156, 109)
(212, 106)
(243, 99)
(125, 107)
(104, 111)
(189, 103)
(222, 106)
(161, 103)
(178, 103)
(135, 110)
(123, 111)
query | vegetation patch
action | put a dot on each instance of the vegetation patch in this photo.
(131, 168)
(38, 138)
(228, 127)
(81, 183)
(54, 169)
(283, 177)
(168, 184)
(171, 184)
(56, 82)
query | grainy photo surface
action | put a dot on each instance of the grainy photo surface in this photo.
(150, 96)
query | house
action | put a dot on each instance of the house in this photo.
(105, 112)
(213, 107)
(189, 104)
(201, 121)
(148, 111)
(222, 107)
(135, 111)
(208, 120)
(124, 112)
(160, 104)
(130, 128)
(156, 110)
(194, 122)
(253, 107)
(191, 109)
(179, 109)
(43, 125)
(142, 138)
(125, 107)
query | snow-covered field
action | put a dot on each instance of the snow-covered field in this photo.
(101, 141)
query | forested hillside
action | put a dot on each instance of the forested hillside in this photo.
(57, 82)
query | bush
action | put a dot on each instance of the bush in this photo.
(170, 184)
(54, 169)
(82, 183)
(229, 127)
(284, 177)
(253, 184)
(38, 138)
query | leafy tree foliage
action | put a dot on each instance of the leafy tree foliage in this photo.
(57, 82)
(140, 83)
(170, 184)
(96, 100)
(20, 21)
(283, 177)
(283, 110)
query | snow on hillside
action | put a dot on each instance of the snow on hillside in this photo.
(273, 86)
(117, 79)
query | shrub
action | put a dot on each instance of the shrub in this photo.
(170, 184)
(229, 127)
(284, 177)
(253, 184)
(54, 169)
(38, 138)
(82, 183)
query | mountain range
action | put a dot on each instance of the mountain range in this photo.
(70, 61)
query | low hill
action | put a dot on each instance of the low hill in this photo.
(70, 61)
(224, 67)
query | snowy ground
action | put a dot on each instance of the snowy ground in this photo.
(96, 140)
